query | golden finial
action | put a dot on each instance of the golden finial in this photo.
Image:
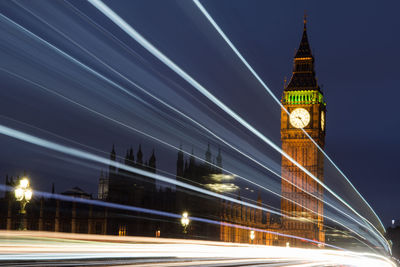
(305, 19)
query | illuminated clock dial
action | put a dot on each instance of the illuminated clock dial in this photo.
(299, 118)
(322, 120)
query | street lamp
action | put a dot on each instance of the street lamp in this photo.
(252, 236)
(185, 221)
(23, 194)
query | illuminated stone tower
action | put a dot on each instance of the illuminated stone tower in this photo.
(303, 98)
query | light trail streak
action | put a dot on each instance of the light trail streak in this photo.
(157, 53)
(114, 84)
(147, 93)
(65, 246)
(236, 51)
(89, 156)
(167, 105)
(162, 102)
(157, 212)
(172, 146)
(92, 157)
(172, 108)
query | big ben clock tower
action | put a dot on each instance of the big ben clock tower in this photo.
(301, 195)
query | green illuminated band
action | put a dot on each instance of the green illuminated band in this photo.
(303, 97)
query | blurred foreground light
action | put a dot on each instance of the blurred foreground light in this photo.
(221, 188)
(222, 177)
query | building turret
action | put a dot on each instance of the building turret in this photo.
(103, 187)
(152, 162)
(192, 161)
(208, 155)
(131, 157)
(113, 154)
(219, 161)
(139, 157)
(112, 169)
(127, 158)
(179, 163)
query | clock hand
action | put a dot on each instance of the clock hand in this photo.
(301, 120)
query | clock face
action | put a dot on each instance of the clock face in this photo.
(299, 118)
(322, 120)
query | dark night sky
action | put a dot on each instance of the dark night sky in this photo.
(356, 49)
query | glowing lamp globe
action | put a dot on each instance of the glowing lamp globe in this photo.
(24, 183)
(185, 220)
(28, 194)
(19, 193)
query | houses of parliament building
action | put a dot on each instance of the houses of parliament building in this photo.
(303, 114)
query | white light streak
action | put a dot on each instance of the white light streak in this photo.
(157, 53)
(221, 188)
(66, 246)
(250, 68)
(121, 88)
(162, 102)
(92, 157)
(167, 144)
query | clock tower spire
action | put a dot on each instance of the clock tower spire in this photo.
(303, 77)
(301, 195)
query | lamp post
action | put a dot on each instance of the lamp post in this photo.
(252, 236)
(23, 194)
(185, 221)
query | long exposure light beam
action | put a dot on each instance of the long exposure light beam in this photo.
(250, 68)
(129, 93)
(157, 212)
(95, 158)
(174, 147)
(91, 157)
(157, 53)
(119, 87)
(158, 100)
(146, 251)
(167, 144)
(162, 102)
